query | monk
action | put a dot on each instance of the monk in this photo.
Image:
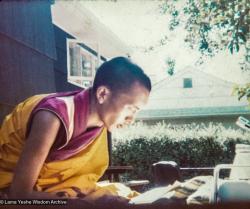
(55, 145)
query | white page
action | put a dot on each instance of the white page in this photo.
(153, 194)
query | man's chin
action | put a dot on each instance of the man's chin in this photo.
(115, 127)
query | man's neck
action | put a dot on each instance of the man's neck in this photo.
(93, 117)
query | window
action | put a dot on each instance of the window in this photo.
(81, 63)
(187, 83)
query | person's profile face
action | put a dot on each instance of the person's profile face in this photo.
(122, 108)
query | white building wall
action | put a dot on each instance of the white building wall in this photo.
(207, 91)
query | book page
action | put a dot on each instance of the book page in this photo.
(154, 194)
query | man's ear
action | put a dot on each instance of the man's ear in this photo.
(102, 94)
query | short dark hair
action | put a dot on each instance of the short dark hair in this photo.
(119, 74)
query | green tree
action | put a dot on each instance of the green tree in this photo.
(213, 25)
(242, 91)
(170, 65)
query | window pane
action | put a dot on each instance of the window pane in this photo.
(187, 83)
(82, 63)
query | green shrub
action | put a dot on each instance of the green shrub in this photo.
(201, 147)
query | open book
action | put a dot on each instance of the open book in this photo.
(177, 190)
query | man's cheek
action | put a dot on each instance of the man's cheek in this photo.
(120, 119)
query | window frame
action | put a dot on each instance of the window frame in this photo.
(95, 61)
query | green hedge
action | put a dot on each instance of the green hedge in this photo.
(141, 153)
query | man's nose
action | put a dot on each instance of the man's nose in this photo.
(129, 119)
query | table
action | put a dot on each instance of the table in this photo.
(113, 172)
